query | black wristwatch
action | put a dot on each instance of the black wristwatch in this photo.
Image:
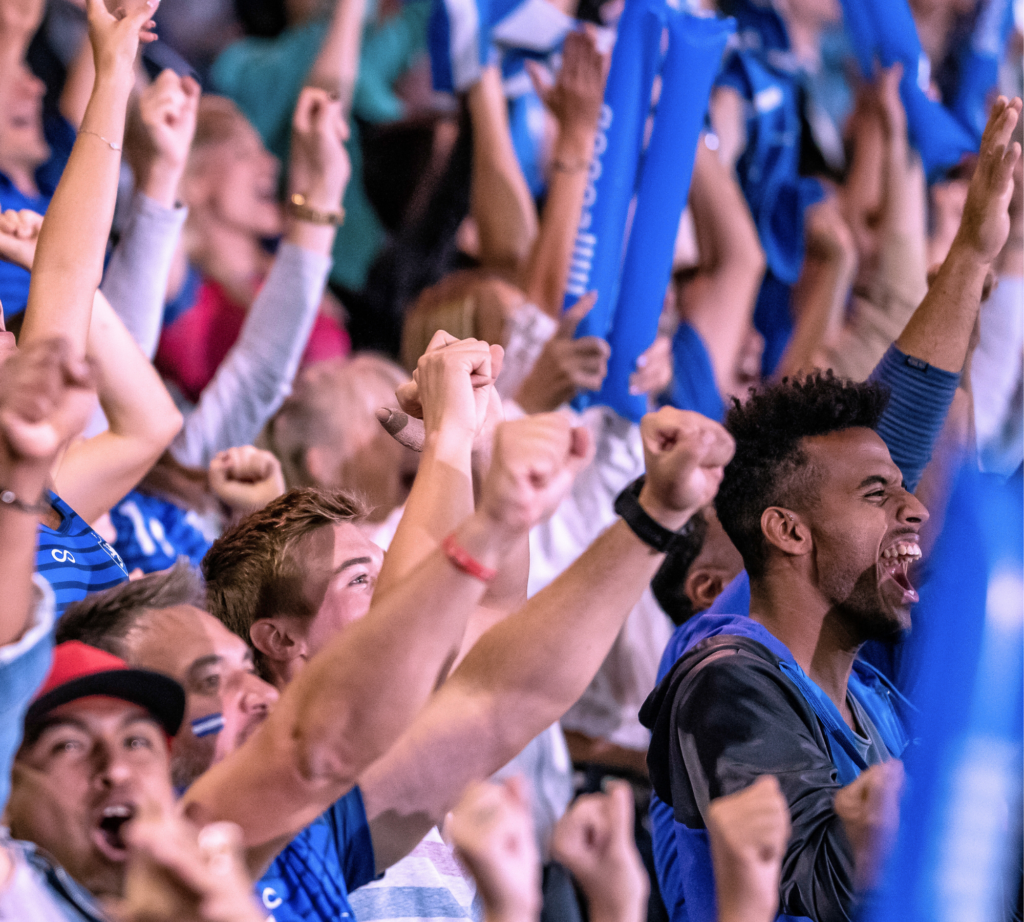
(628, 508)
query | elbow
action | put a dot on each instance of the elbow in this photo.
(168, 425)
(323, 755)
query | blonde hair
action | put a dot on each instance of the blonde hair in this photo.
(332, 402)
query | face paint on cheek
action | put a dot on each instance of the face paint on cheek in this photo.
(208, 725)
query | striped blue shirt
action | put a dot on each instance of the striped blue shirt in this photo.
(75, 560)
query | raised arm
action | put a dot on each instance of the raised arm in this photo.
(95, 473)
(135, 282)
(526, 671)
(721, 302)
(500, 200)
(575, 101)
(352, 700)
(940, 329)
(256, 376)
(337, 65)
(69, 263)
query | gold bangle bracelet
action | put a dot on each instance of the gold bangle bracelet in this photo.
(298, 208)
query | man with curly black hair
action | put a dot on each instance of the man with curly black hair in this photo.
(827, 531)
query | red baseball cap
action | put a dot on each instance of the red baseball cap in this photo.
(81, 671)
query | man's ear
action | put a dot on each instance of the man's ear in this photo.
(784, 529)
(274, 639)
(702, 587)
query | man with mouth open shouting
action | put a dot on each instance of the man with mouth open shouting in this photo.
(827, 531)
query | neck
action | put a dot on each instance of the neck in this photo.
(797, 614)
(226, 254)
(22, 177)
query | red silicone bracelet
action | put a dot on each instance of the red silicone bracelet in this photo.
(462, 560)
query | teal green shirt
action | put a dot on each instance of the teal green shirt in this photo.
(264, 77)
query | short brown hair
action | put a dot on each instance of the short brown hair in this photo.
(104, 619)
(252, 570)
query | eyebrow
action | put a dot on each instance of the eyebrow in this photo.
(212, 659)
(353, 562)
(872, 480)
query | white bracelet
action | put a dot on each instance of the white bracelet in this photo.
(109, 144)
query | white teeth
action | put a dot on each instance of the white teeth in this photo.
(902, 550)
(120, 810)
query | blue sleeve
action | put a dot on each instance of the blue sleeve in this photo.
(921, 396)
(23, 667)
(352, 837)
(693, 383)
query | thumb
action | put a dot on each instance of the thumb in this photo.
(540, 78)
(572, 318)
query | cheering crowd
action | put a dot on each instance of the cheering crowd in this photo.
(330, 588)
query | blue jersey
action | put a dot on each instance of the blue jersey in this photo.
(75, 560)
(153, 533)
(309, 881)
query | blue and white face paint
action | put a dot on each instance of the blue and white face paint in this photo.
(208, 725)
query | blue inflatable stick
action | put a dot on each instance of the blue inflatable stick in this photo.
(695, 48)
(958, 840)
(598, 251)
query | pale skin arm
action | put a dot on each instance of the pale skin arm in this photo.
(526, 671)
(337, 64)
(69, 261)
(939, 331)
(721, 302)
(352, 700)
(575, 101)
(500, 200)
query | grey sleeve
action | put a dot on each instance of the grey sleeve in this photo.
(135, 282)
(256, 376)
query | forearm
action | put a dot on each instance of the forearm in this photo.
(135, 282)
(441, 498)
(819, 297)
(940, 329)
(337, 64)
(500, 201)
(256, 376)
(519, 678)
(18, 547)
(548, 266)
(69, 257)
(95, 473)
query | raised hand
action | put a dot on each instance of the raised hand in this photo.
(319, 168)
(534, 463)
(653, 368)
(19, 233)
(870, 810)
(566, 365)
(748, 832)
(686, 454)
(492, 830)
(46, 397)
(116, 34)
(577, 93)
(985, 224)
(167, 108)
(246, 478)
(594, 840)
(452, 384)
